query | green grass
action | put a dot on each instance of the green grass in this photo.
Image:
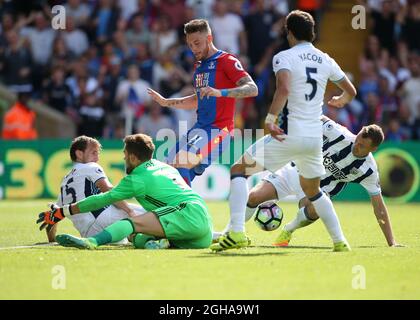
(306, 270)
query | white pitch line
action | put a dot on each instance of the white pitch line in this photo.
(31, 246)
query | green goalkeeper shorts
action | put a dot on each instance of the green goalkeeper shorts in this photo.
(186, 226)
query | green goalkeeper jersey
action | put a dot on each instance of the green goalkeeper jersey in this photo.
(154, 184)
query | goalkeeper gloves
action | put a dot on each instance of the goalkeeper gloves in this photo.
(53, 216)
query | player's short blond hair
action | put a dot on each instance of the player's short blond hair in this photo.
(81, 143)
(197, 25)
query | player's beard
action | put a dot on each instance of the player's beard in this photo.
(205, 54)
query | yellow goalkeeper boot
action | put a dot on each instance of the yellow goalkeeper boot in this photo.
(231, 240)
(283, 239)
(67, 240)
(342, 246)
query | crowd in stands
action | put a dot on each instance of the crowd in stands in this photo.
(97, 69)
(389, 89)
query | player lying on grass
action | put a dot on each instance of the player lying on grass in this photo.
(176, 215)
(87, 178)
(347, 159)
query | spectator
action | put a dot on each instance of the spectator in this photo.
(19, 121)
(202, 8)
(411, 28)
(61, 56)
(137, 33)
(228, 30)
(92, 117)
(373, 113)
(132, 94)
(76, 40)
(128, 8)
(94, 61)
(7, 24)
(183, 117)
(57, 93)
(121, 47)
(113, 77)
(145, 62)
(78, 11)
(162, 36)
(154, 121)
(410, 92)
(259, 26)
(16, 61)
(80, 82)
(174, 9)
(384, 25)
(395, 133)
(388, 101)
(369, 82)
(104, 20)
(41, 39)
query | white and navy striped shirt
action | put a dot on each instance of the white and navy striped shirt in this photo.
(80, 183)
(341, 166)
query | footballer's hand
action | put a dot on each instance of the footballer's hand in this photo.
(337, 102)
(157, 97)
(49, 218)
(275, 131)
(209, 92)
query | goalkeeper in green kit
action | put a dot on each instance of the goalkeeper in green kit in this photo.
(176, 215)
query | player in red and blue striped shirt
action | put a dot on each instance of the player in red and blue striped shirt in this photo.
(219, 78)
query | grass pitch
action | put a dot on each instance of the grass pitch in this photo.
(308, 269)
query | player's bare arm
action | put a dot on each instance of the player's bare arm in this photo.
(186, 103)
(381, 213)
(246, 87)
(279, 100)
(104, 185)
(51, 233)
(349, 92)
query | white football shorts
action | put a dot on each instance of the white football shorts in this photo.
(286, 182)
(305, 152)
(88, 226)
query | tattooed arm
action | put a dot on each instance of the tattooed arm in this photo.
(188, 102)
(246, 87)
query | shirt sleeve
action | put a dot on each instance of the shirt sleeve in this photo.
(59, 202)
(96, 173)
(280, 62)
(372, 185)
(332, 130)
(126, 189)
(336, 74)
(233, 69)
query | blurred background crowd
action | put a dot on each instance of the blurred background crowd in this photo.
(97, 70)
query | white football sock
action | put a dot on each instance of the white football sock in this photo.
(300, 221)
(325, 210)
(237, 202)
(249, 212)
